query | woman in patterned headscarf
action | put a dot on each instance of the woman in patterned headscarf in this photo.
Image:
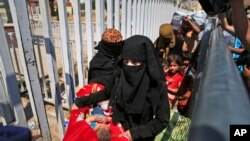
(102, 66)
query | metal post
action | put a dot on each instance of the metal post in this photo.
(69, 81)
(52, 67)
(142, 17)
(110, 13)
(134, 18)
(99, 18)
(138, 16)
(88, 9)
(124, 19)
(129, 18)
(78, 40)
(39, 60)
(23, 33)
(117, 14)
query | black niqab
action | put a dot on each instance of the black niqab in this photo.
(103, 66)
(137, 82)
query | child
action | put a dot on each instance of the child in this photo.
(100, 124)
(174, 76)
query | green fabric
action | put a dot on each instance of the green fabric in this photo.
(177, 129)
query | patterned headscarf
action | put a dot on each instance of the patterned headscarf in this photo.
(112, 35)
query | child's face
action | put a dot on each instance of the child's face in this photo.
(173, 67)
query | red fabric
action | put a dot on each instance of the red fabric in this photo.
(116, 130)
(79, 130)
(88, 89)
(174, 81)
(182, 103)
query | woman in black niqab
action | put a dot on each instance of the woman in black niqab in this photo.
(141, 103)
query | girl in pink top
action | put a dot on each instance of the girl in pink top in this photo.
(174, 76)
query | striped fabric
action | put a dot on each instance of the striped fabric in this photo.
(177, 129)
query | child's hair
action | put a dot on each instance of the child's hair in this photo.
(186, 56)
(164, 62)
(103, 134)
(175, 58)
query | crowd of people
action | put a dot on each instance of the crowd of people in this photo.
(139, 82)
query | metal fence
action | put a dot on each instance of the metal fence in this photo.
(32, 62)
(220, 98)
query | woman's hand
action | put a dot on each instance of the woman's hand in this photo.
(126, 135)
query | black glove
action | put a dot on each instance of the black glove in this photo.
(97, 97)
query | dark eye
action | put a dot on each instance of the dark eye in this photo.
(125, 61)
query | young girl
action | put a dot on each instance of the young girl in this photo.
(174, 76)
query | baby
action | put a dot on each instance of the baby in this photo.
(99, 123)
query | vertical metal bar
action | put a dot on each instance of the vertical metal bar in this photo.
(129, 18)
(134, 17)
(78, 41)
(22, 28)
(150, 16)
(99, 18)
(124, 18)
(157, 19)
(110, 13)
(15, 60)
(162, 12)
(138, 17)
(22, 58)
(145, 27)
(52, 67)
(14, 55)
(37, 49)
(117, 14)
(2, 115)
(88, 9)
(5, 96)
(153, 20)
(142, 17)
(171, 9)
(167, 10)
(66, 51)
